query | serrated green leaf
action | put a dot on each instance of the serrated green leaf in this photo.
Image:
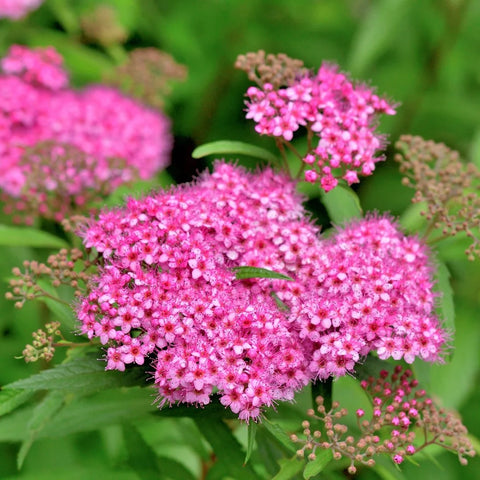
(244, 272)
(252, 431)
(110, 407)
(279, 434)
(42, 414)
(11, 399)
(227, 448)
(28, 237)
(342, 204)
(222, 147)
(314, 467)
(289, 468)
(81, 374)
(446, 305)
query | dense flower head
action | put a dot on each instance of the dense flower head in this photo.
(370, 289)
(340, 114)
(98, 121)
(16, 9)
(167, 289)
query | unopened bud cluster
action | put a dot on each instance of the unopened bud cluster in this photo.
(42, 346)
(276, 70)
(60, 269)
(449, 187)
(147, 75)
(101, 26)
(399, 410)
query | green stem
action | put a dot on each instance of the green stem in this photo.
(281, 149)
(116, 52)
(59, 300)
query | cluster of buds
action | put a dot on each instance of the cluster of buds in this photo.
(276, 70)
(101, 26)
(60, 180)
(399, 410)
(43, 345)
(449, 188)
(147, 75)
(60, 269)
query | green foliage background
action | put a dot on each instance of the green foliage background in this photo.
(424, 54)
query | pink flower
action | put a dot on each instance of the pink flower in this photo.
(340, 113)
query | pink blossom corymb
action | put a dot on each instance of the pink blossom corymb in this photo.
(370, 289)
(168, 290)
(342, 116)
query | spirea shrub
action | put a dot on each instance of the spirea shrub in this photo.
(223, 292)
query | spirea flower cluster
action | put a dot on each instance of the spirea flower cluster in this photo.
(16, 9)
(341, 115)
(369, 289)
(166, 290)
(36, 107)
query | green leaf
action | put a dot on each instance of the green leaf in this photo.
(252, 431)
(342, 204)
(222, 147)
(42, 414)
(227, 448)
(279, 434)
(314, 467)
(289, 468)
(105, 408)
(445, 302)
(244, 272)
(81, 374)
(28, 237)
(411, 220)
(141, 457)
(11, 399)
(377, 32)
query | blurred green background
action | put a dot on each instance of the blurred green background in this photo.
(424, 54)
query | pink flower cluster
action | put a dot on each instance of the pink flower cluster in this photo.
(167, 290)
(340, 114)
(99, 121)
(16, 9)
(371, 291)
